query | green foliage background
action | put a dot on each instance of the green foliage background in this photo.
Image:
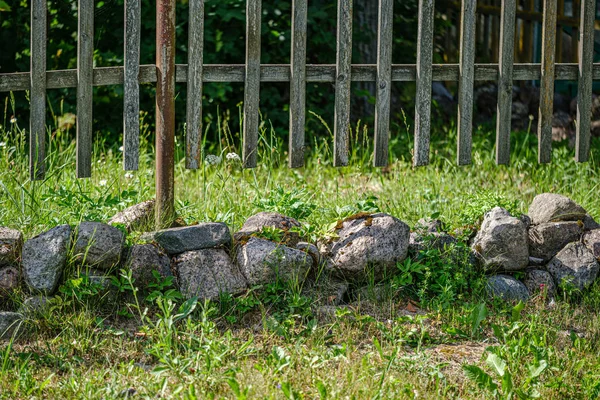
(224, 44)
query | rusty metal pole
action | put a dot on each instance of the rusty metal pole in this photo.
(165, 111)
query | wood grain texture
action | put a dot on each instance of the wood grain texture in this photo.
(584, 86)
(341, 122)
(424, 80)
(505, 81)
(252, 83)
(194, 84)
(546, 110)
(131, 88)
(323, 73)
(466, 79)
(384, 82)
(85, 74)
(298, 83)
(37, 95)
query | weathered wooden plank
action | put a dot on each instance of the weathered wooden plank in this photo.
(325, 73)
(584, 86)
(298, 83)
(85, 74)
(194, 84)
(466, 78)
(384, 82)
(131, 88)
(505, 81)
(547, 82)
(341, 122)
(37, 95)
(252, 83)
(424, 80)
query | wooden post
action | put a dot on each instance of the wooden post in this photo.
(37, 127)
(131, 87)
(85, 77)
(165, 111)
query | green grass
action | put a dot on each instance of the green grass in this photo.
(272, 342)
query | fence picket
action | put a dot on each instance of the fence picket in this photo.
(584, 87)
(424, 81)
(384, 82)
(252, 82)
(466, 79)
(85, 74)
(37, 95)
(343, 75)
(194, 84)
(298, 83)
(131, 87)
(505, 81)
(547, 82)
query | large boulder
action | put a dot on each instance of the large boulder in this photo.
(592, 241)
(11, 241)
(574, 264)
(207, 273)
(45, 257)
(262, 261)
(552, 207)
(539, 281)
(206, 235)
(9, 281)
(262, 220)
(547, 239)
(501, 242)
(10, 322)
(135, 217)
(98, 245)
(367, 243)
(507, 288)
(144, 259)
(589, 223)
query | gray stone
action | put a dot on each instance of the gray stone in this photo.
(10, 322)
(145, 258)
(539, 281)
(536, 262)
(507, 288)
(575, 264)
(547, 239)
(501, 241)
(9, 281)
(428, 225)
(552, 207)
(367, 243)
(135, 217)
(258, 222)
(432, 240)
(526, 220)
(589, 223)
(11, 241)
(311, 250)
(99, 245)
(262, 261)
(34, 305)
(207, 273)
(592, 241)
(206, 235)
(45, 257)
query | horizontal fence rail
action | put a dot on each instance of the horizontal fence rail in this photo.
(508, 23)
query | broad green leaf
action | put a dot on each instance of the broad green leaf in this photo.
(496, 363)
(516, 311)
(478, 314)
(534, 371)
(481, 378)
(4, 7)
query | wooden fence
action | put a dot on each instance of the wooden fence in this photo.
(165, 73)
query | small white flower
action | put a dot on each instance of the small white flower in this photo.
(121, 148)
(13, 119)
(2, 144)
(281, 38)
(211, 159)
(277, 12)
(102, 182)
(232, 157)
(128, 175)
